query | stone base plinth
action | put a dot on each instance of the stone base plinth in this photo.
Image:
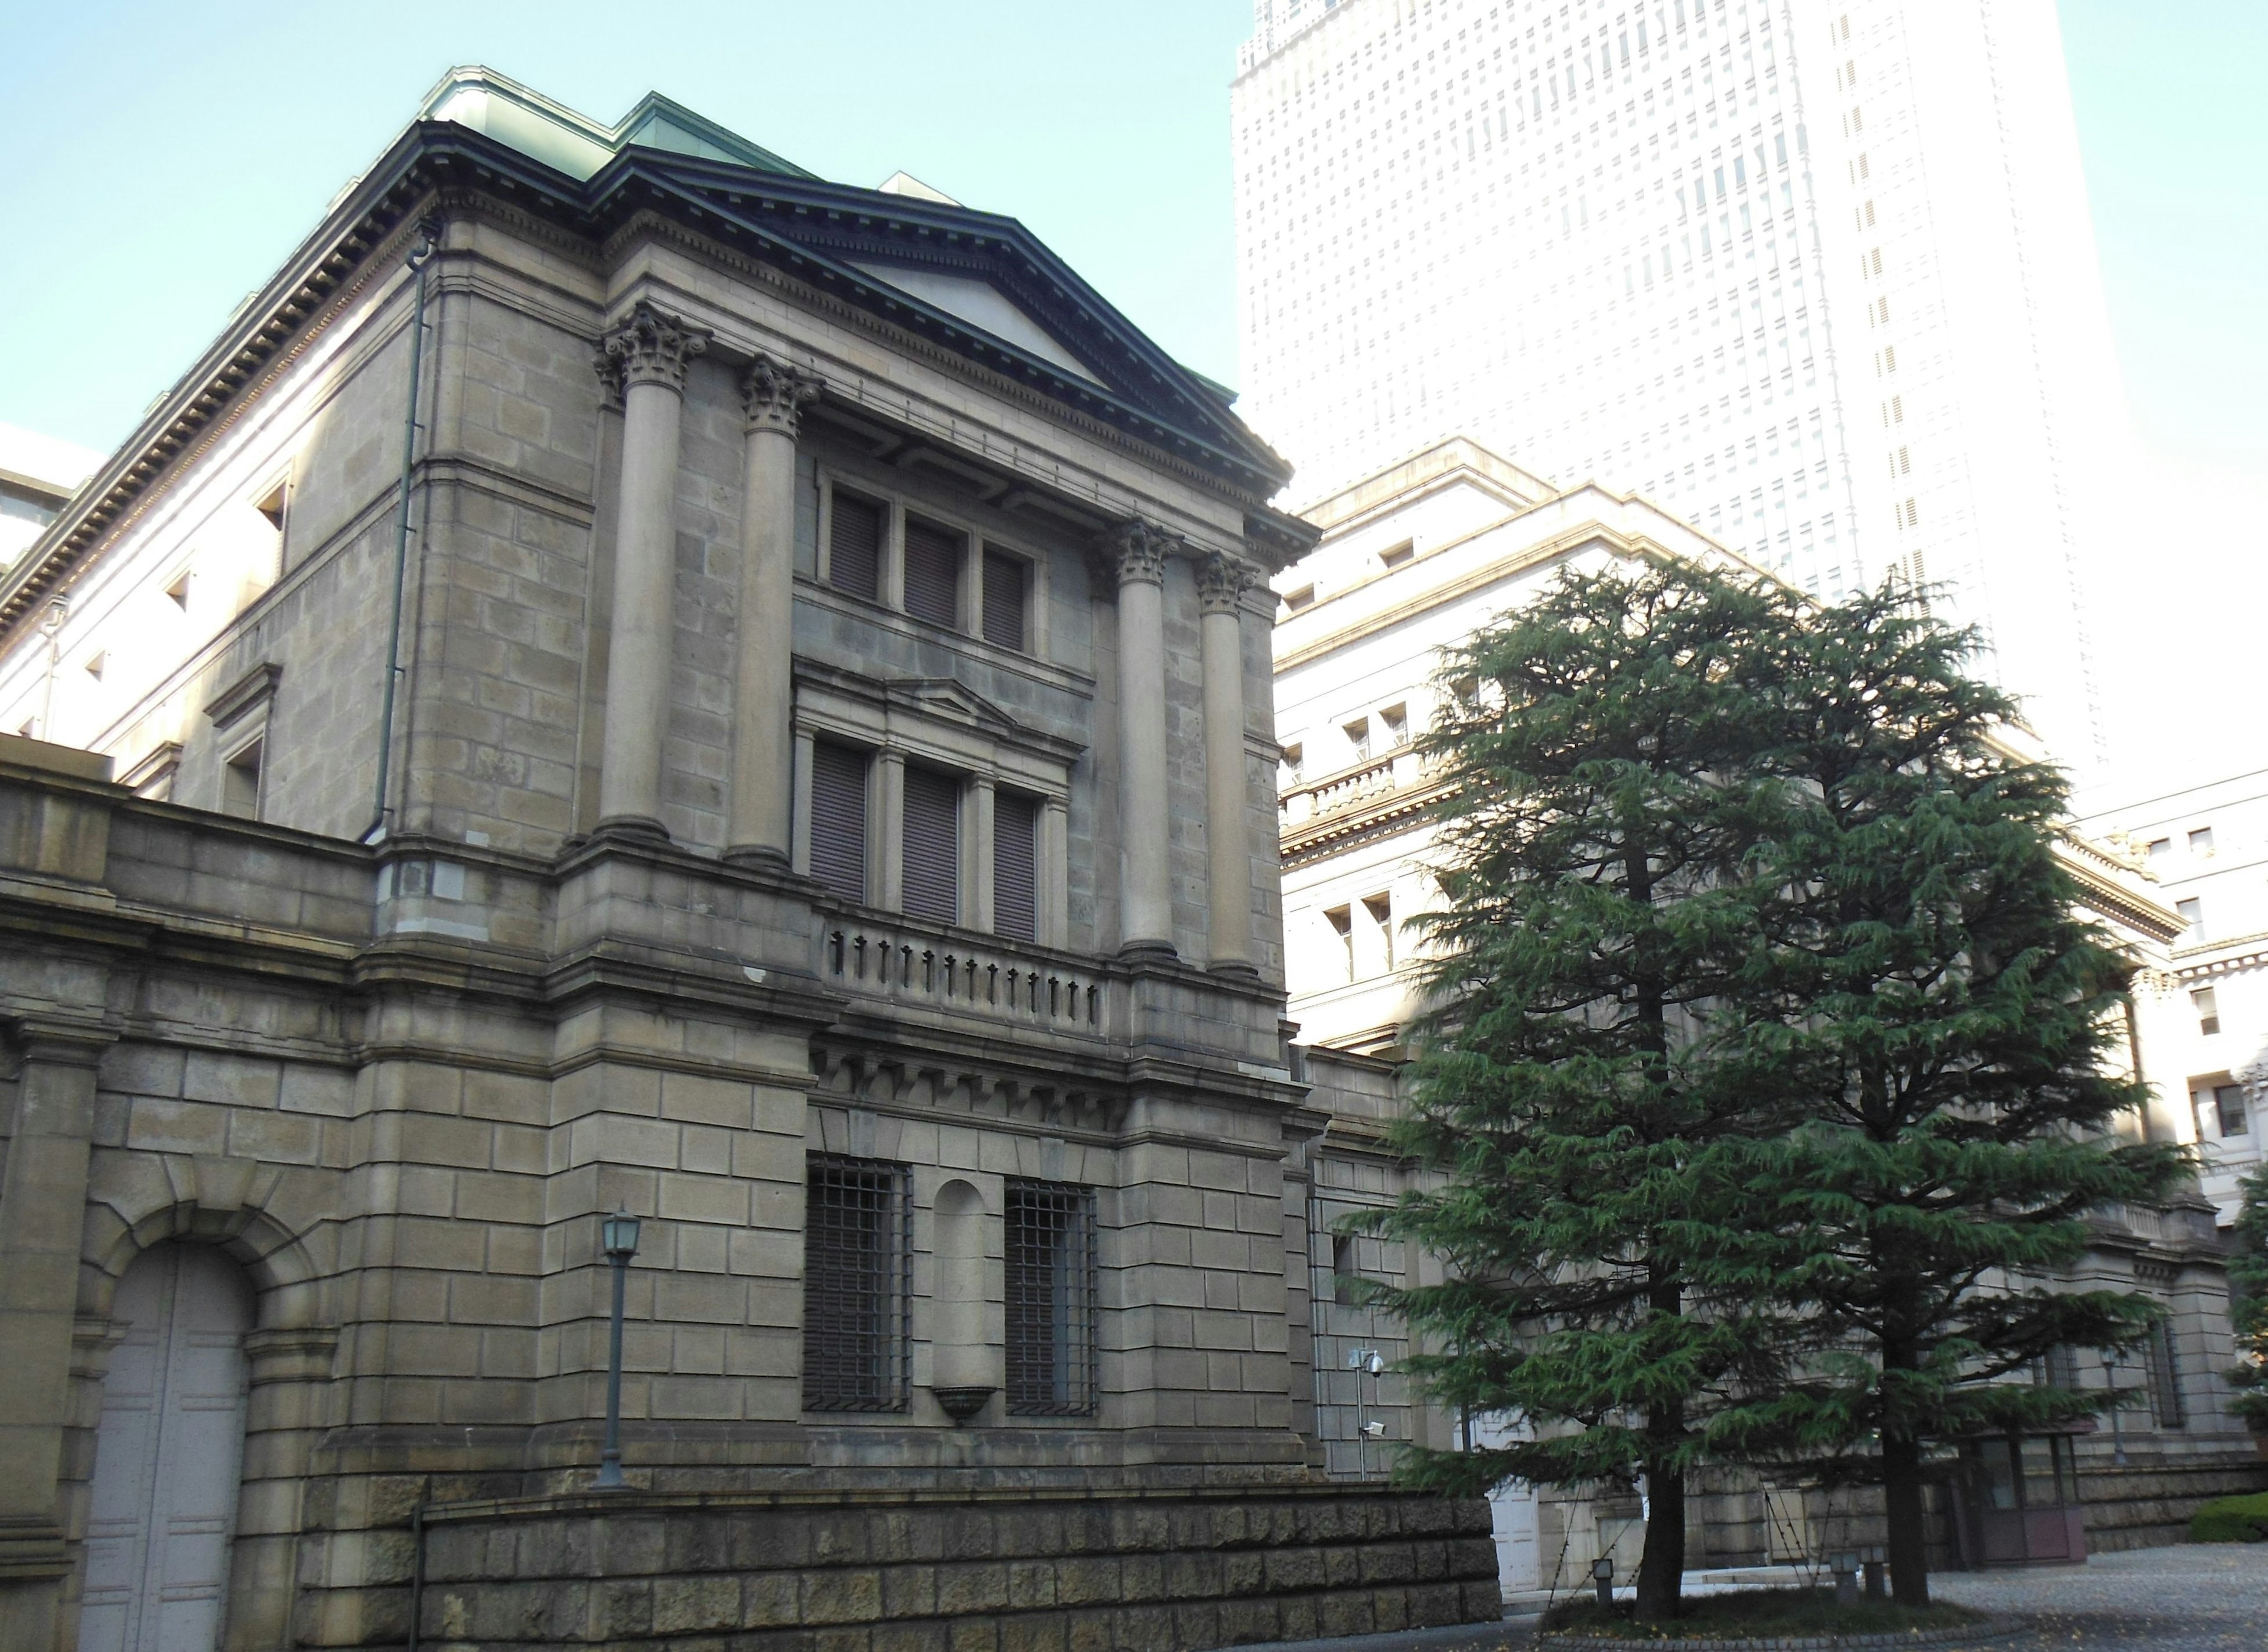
(963, 1573)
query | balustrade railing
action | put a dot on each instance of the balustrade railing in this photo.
(906, 963)
(1350, 788)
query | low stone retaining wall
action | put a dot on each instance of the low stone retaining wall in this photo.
(965, 1573)
(2145, 1505)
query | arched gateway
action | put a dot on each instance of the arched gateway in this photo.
(168, 1455)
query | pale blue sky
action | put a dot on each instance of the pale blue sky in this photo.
(158, 160)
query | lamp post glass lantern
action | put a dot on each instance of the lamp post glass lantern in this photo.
(618, 1237)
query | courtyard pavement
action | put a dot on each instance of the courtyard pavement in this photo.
(2194, 1597)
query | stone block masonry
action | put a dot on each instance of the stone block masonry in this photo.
(1011, 1573)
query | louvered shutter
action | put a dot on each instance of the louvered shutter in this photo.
(933, 573)
(932, 845)
(1005, 580)
(1015, 885)
(838, 819)
(854, 546)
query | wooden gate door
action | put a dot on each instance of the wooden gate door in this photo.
(169, 1454)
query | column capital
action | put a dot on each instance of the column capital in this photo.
(773, 395)
(649, 347)
(1222, 581)
(62, 1041)
(1135, 552)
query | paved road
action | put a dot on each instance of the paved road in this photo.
(2195, 1597)
(2198, 1597)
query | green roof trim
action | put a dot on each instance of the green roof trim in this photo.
(547, 130)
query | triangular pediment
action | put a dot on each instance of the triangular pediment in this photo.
(980, 304)
(954, 701)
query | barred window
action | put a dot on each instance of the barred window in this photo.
(857, 1252)
(2165, 1375)
(1051, 1268)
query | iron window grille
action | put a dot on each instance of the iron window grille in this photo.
(857, 1282)
(1051, 1279)
(2165, 1374)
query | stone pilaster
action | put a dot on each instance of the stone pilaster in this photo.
(764, 787)
(646, 358)
(42, 1212)
(1221, 584)
(1135, 553)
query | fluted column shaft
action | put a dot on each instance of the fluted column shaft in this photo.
(763, 693)
(647, 357)
(1137, 554)
(1221, 585)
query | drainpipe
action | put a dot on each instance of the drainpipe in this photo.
(429, 234)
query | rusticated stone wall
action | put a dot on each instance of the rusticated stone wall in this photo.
(964, 1573)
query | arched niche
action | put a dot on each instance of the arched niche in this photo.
(965, 1367)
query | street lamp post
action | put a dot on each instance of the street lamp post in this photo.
(618, 1236)
(2117, 1431)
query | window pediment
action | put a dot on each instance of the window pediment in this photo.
(954, 714)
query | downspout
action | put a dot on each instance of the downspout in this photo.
(430, 234)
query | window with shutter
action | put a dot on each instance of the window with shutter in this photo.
(933, 573)
(838, 819)
(1015, 884)
(1005, 578)
(854, 546)
(931, 842)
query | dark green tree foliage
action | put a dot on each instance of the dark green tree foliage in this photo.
(2248, 1295)
(1951, 1031)
(1577, 1078)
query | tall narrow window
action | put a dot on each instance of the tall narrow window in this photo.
(1380, 908)
(857, 1252)
(1358, 733)
(933, 573)
(1005, 579)
(838, 819)
(1015, 861)
(1396, 722)
(2191, 912)
(932, 845)
(1341, 919)
(1049, 1234)
(2207, 1006)
(2228, 1109)
(854, 546)
(2201, 843)
(240, 781)
(2164, 1367)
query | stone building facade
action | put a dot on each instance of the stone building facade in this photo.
(633, 678)
(1417, 557)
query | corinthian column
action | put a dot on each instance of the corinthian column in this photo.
(1135, 553)
(646, 357)
(1221, 585)
(763, 690)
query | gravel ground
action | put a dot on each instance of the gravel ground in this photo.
(2198, 1597)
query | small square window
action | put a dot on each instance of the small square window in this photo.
(2159, 850)
(1358, 735)
(1396, 555)
(1304, 597)
(2191, 912)
(2201, 843)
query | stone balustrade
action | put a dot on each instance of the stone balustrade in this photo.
(909, 963)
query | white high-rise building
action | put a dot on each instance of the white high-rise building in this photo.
(1816, 274)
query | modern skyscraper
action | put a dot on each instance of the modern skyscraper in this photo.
(1816, 274)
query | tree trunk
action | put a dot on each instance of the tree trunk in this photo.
(1661, 1567)
(1902, 1498)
